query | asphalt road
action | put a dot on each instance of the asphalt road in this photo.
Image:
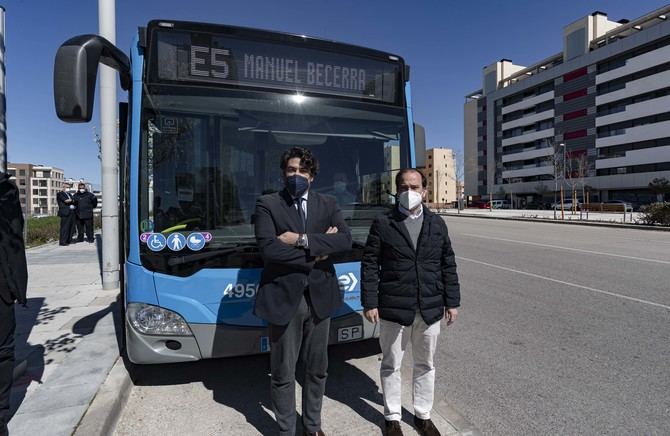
(563, 329)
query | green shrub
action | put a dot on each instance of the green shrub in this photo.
(42, 230)
(656, 214)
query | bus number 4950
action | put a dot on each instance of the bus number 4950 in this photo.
(240, 290)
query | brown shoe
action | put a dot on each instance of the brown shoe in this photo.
(425, 427)
(393, 428)
(315, 433)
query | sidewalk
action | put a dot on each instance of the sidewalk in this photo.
(598, 218)
(65, 339)
(68, 377)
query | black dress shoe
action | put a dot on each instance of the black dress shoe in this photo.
(425, 427)
(63, 245)
(393, 428)
(315, 433)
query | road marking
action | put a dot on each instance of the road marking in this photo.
(600, 291)
(644, 259)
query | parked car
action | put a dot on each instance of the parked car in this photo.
(628, 206)
(478, 204)
(567, 205)
(499, 204)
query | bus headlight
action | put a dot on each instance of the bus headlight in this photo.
(154, 320)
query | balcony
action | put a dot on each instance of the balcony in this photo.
(636, 157)
(529, 171)
(529, 119)
(636, 87)
(635, 64)
(529, 154)
(636, 134)
(528, 137)
(637, 110)
(528, 102)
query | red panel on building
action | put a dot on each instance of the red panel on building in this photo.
(574, 74)
(574, 135)
(575, 114)
(574, 95)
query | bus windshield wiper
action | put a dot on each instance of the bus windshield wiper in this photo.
(231, 249)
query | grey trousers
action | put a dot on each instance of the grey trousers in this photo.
(304, 338)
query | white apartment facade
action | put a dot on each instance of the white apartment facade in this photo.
(38, 186)
(595, 116)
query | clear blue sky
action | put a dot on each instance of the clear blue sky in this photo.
(446, 43)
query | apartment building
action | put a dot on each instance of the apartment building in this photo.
(440, 171)
(594, 117)
(38, 186)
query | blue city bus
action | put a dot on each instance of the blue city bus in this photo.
(210, 110)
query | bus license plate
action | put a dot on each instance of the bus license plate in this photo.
(351, 333)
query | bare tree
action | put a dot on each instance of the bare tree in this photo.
(458, 178)
(577, 167)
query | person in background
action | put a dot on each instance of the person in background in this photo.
(408, 284)
(85, 202)
(341, 191)
(13, 284)
(66, 212)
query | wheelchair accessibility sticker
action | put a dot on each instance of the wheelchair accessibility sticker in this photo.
(156, 242)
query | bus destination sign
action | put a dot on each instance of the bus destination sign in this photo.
(205, 57)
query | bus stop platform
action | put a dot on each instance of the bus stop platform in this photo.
(71, 380)
(65, 339)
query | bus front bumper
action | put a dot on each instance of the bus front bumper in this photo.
(222, 340)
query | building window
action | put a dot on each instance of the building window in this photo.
(575, 114)
(575, 74)
(575, 134)
(22, 172)
(573, 95)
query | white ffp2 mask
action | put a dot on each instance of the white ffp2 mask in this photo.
(410, 199)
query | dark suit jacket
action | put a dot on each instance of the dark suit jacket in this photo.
(289, 270)
(13, 269)
(85, 202)
(63, 207)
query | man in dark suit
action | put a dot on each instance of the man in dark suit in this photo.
(296, 231)
(408, 284)
(13, 282)
(85, 202)
(66, 212)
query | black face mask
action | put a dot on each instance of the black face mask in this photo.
(297, 185)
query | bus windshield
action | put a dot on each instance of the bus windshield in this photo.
(208, 154)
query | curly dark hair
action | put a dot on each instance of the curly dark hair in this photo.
(307, 159)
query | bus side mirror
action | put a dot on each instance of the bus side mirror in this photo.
(75, 73)
(419, 145)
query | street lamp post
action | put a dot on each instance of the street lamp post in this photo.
(562, 145)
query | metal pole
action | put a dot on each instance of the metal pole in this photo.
(109, 153)
(555, 181)
(3, 99)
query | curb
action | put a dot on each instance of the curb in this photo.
(462, 425)
(568, 222)
(105, 410)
